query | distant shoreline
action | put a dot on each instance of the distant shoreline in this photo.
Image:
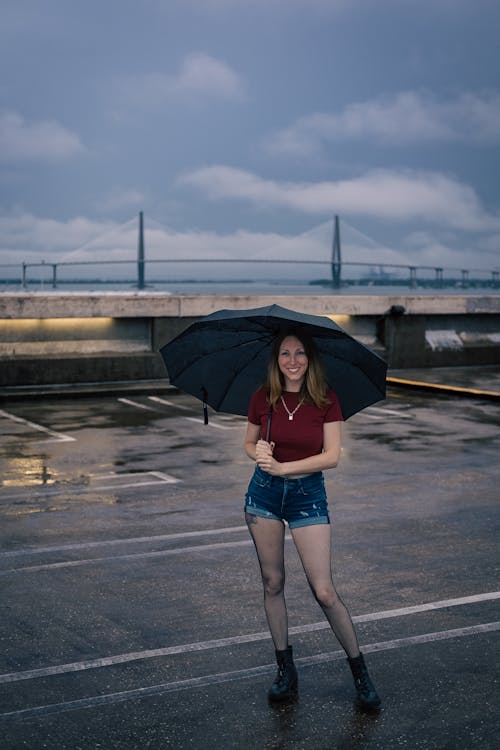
(245, 286)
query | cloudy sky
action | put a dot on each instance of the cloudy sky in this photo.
(241, 127)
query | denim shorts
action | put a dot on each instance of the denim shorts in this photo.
(299, 502)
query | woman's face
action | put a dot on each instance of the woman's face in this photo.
(292, 362)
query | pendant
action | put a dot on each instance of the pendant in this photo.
(290, 417)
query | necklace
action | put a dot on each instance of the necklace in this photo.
(291, 413)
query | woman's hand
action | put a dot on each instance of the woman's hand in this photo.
(264, 458)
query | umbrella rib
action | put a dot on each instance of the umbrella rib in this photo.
(250, 342)
(237, 371)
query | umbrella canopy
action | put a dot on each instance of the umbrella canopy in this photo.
(222, 358)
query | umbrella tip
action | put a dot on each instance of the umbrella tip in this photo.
(205, 405)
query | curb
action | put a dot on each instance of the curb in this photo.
(448, 390)
(74, 390)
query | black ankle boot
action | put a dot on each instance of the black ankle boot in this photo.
(286, 682)
(367, 695)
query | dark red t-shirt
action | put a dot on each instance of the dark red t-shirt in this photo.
(298, 438)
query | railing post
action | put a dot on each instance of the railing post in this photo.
(54, 275)
(24, 275)
(465, 278)
(413, 276)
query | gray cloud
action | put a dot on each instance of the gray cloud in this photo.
(409, 117)
(43, 140)
(395, 195)
(199, 75)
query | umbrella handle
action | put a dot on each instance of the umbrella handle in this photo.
(269, 419)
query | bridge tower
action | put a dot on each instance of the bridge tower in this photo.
(336, 255)
(140, 253)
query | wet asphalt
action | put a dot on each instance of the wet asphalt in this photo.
(131, 609)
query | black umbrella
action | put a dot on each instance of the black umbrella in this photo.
(222, 358)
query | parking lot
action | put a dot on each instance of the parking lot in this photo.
(131, 599)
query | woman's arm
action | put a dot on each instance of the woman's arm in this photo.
(328, 459)
(251, 438)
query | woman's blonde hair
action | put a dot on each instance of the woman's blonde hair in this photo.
(313, 389)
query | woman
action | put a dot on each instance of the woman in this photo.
(288, 485)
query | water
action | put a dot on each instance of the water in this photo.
(245, 288)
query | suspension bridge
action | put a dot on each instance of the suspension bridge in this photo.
(123, 256)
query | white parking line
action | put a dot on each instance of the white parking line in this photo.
(159, 478)
(111, 482)
(237, 640)
(378, 413)
(169, 403)
(390, 412)
(57, 436)
(211, 423)
(241, 674)
(127, 540)
(136, 404)
(118, 558)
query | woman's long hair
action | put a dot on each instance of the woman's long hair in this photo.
(313, 389)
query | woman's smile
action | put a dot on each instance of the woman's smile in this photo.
(293, 362)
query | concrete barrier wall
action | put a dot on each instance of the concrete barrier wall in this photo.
(50, 338)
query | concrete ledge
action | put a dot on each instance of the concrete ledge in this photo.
(79, 337)
(159, 304)
(34, 371)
